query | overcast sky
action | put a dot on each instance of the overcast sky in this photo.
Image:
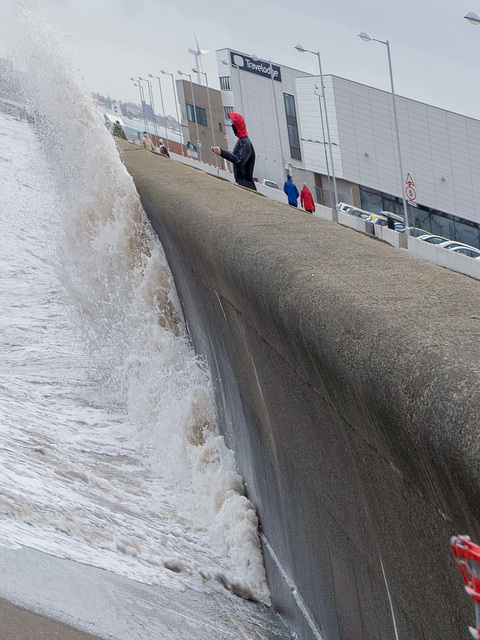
(436, 53)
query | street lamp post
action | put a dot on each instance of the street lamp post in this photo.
(176, 106)
(472, 17)
(152, 103)
(257, 59)
(227, 64)
(138, 84)
(301, 49)
(203, 73)
(327, 164)
(163, 108)
(368, 38)
(199, 142)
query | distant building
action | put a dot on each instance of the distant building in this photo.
(440, 152)
(247, 87)
(191, 117)
(440, 149)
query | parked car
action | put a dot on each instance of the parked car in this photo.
(378, 219)
(451, 244)
(471, 252)
(385, 214)
(415, 232)
(270, 183)
(445, 243)
(342, 206)
(354, 211)
(431, 239)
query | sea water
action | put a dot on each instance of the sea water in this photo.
(109, 450)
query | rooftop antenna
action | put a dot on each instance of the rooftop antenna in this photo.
(198, 53)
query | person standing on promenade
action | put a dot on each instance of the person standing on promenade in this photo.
(243, 155)
(147, 143)
(118, 131)
(162, 148)
(390, 221)
(292, 192)
(306, 199)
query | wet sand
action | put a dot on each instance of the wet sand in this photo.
(19, 624)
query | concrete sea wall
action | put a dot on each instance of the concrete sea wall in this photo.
(347, 382)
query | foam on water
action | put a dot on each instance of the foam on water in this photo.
(109, 451)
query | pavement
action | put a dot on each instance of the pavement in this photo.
(346, 375)
(43, 596)
(20, 624)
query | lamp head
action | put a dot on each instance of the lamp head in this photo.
(180, 73)
(300, 49)
(195, 71)
(132, 79)
(472, 17)
(150, 75)
(365, 36)
(162, 71)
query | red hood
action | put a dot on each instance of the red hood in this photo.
(239, 123)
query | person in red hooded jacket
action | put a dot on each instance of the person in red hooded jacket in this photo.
(243, 156)
(306, 199)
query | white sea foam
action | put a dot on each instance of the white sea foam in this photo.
(109, 451)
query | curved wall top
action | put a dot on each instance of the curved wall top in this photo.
(348, 383)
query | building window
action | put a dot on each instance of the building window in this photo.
(292, 126)
(225, 83)
(201, 115)
(220, 126)
(226, 111)
(430, 220)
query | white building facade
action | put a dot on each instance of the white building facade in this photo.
(286, 123)
(268, 106)
(440, 153)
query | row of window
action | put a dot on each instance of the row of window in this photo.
(292, 126)
(201, 115)
(225, 83)
(292, 123)
(433, 221)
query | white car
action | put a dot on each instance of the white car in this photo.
(270, 183)
(398, 219)
(452, 244)
(431, 239)
(471, 252)
(344, 207)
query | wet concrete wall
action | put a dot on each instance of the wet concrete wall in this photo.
(347, 381)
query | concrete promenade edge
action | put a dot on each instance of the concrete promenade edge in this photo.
(352, 369)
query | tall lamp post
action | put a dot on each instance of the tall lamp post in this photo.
(138, 84)
(257, 59)
(199, 142)
(301, 49)
(176, 106)
(163, 107)
(152, 104)
(203, 73)
(366, 37)
(319, 94)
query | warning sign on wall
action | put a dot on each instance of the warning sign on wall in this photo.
(410, 188)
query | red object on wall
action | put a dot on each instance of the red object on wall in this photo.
(467, 555)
